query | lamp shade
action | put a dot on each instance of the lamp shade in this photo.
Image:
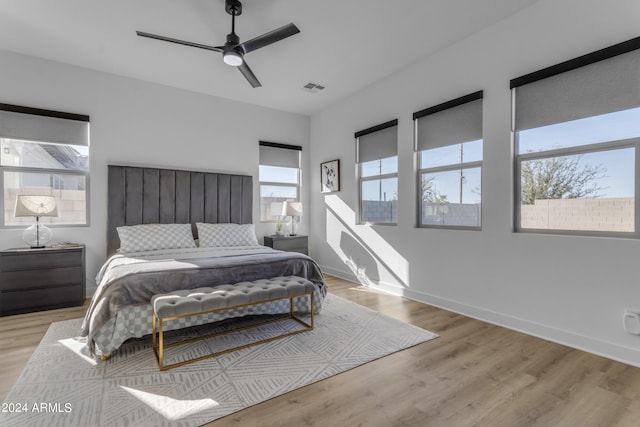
(292, 209)
(38, 206)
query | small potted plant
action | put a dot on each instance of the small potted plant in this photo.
(278, 227)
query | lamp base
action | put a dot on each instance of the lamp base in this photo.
(37, 236)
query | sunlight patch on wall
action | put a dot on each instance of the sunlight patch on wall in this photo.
(367, 254)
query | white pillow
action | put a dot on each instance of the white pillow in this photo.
(216, 235)
(148, 237)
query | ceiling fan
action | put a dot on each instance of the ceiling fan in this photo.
(233, 51)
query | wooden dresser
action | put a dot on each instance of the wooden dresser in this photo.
(41, 279)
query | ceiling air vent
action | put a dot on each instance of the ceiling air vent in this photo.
(313, 87)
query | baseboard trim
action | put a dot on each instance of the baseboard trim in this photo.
(340, 274)
(613, 351)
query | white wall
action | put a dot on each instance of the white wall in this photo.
(568, 289)
(138, 123)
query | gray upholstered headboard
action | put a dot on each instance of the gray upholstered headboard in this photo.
(150, 195)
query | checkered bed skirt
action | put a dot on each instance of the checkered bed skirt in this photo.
(135, 321)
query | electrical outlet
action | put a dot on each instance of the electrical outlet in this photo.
(631, 321)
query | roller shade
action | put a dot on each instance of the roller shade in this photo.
(608, 85)
(378, 144)
(281, 155)
(33, 127)
(454, 125)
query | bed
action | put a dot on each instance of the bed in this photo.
(170, 230)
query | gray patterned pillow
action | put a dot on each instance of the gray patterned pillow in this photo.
(211, 235)
(148, 237)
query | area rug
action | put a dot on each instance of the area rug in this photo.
(61, 386)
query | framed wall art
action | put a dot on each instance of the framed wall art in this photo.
(330, 176)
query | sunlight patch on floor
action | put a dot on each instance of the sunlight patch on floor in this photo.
(170, 408)
(78, 345)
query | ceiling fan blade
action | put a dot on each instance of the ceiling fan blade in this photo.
(248, 74)
(183, 42)
(269, 38)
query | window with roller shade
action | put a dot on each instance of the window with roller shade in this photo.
(377, 164)
(44, 152)
(449, 147)
(576, 128)
(279, 178)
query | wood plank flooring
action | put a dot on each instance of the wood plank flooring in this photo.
(475, 374)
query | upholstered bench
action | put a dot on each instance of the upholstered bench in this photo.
(193, 302)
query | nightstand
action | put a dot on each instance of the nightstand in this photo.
(288, 243)
(41, 279)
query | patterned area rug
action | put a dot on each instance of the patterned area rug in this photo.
(61, 386)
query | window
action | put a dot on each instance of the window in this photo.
(377, 158)
(44, 152)
(449, 148)
(577, 133)
(279, 178)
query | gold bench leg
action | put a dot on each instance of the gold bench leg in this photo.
(153, 331)
(157, 338)
(311, 297)
(161, 346)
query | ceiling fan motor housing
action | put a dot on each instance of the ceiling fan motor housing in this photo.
(232, 39)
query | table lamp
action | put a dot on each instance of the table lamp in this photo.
(292, 209)
(37, 236)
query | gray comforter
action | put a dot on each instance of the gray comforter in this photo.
(135, 278)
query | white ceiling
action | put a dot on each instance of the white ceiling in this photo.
(344, 45)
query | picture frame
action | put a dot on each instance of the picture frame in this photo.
(330, 176)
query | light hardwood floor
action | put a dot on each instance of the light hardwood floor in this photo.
(474, 374)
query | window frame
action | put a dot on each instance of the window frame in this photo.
(634, 142)
(297, 186)
(420, 171)
(360, 179)
(51, 171)
(572, 151)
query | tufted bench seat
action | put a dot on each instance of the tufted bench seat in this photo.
(193, 302)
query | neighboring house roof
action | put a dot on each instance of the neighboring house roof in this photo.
(65, 156)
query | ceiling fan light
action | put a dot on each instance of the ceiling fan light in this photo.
(233, 58)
